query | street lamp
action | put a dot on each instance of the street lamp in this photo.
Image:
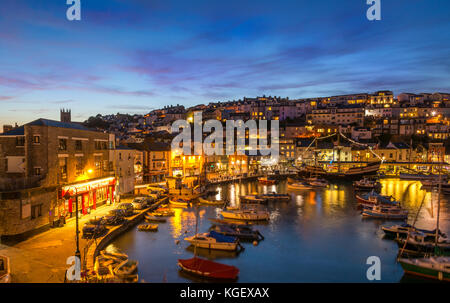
(68, 196)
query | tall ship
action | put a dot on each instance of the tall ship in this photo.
(339, 169)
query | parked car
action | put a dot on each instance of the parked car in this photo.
(117, 212)
(92, 231)
(127, 207)
(113, 219)
(139, 203)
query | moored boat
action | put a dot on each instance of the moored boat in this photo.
(126, 269)
(148, 227)
(214, 240)
(242, 232)
(375, 198)
(209, 269)
(267, 180)
(299, 186)
(155, 219)
(248, 215)
(402, 230)
(254, 199)
(179, 202)
(437, 268)
(366, 184)
(275, 197)
(202, 200)
(419, 243)
(385, 212)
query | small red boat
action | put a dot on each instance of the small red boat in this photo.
(267, 180)
(209, 269)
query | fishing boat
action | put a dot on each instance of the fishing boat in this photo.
(315, 182)
(434, 267)
(275, 197)
(209, 269)
(242, 232)
(437, 268)
(165, 213)
(299, 186)
(402, 230)
(253, 199)
(155, 219)
(375, 198)
(126, 269)
(385, 212)
(244, 214)
(418, 242)
(366, 184)
(267, 180)
(5, 272)
(179, 202)
(214, 240)
(148, 227)
(202, 200)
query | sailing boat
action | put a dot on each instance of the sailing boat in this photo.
(433, 267)
(206, 268)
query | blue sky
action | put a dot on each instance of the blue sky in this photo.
(132, 56)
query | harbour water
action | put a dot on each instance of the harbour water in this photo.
(318, 236)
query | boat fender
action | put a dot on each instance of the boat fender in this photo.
(255, 243)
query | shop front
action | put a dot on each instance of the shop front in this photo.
(88, 195)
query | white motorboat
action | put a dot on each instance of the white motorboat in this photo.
(214, 240)
(244, 214)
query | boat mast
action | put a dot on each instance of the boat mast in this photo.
(438, 203)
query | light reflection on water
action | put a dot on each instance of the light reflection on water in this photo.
(319, 236)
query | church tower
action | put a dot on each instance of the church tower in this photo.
(65, 115)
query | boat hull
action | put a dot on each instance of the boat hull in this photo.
(209, 269)
(378, 215)
(245, 216)
(425, 272)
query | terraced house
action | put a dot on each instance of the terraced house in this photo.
(46, 167)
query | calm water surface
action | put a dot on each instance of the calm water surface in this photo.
(319, 236)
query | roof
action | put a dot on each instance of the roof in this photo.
(53, 123)
(18, 131)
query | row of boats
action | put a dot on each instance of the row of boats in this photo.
(422, 252)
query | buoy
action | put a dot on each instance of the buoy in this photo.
(255, 243)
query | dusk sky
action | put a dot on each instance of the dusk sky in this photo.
(133, 56)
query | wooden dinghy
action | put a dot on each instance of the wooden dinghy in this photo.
(126, 269)
(179, 203)
(209, 269)
(210, 202)
(148, 227)
(155, 219)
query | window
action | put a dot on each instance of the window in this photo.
(36, 211)
(20, 141)
(78, 145)
(79, 166)
(62, 144)
(37, 139)
(37, 171)
(120, 156)
(63, 168)
(98, 162)
(98, 145)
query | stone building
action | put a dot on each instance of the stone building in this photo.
(42, 161)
